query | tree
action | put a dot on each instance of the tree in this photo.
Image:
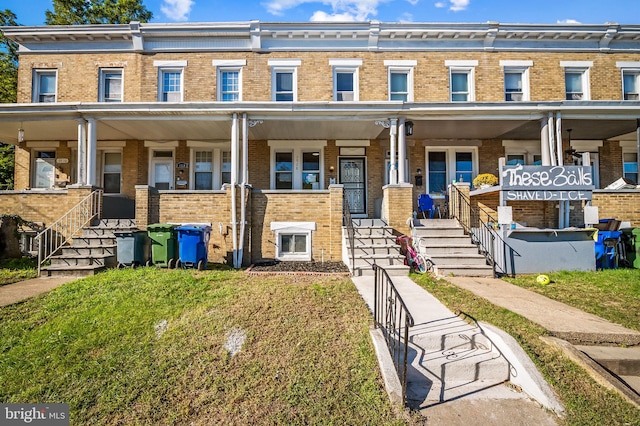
(6, 166)
(75, 12)
(8, 60)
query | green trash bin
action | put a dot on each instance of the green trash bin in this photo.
(132, 248)
(163, 239)
(631, 240)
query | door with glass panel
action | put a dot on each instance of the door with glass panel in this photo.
(353, 178)
(45, 169)
(162, 170)
(112, 172)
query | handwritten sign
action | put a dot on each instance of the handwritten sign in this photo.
(513, 195)
(547, 178)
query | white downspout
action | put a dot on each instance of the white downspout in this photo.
(245, 182)
(402, 151)
(82, 152)
(234, 182)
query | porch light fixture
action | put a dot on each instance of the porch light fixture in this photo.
(408, 128)
(20, 134)
(418, 171)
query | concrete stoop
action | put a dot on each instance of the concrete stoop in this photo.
(452, 253)
(91, 252)
(374, 243)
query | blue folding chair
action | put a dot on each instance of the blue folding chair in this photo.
(426, 204)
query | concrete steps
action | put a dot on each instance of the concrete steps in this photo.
(445, 244)
(623, 363)
(91, 252)
(374, 244)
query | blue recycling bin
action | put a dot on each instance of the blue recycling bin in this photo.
(193, 241)
(606, 248)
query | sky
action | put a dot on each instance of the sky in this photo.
(32, 12)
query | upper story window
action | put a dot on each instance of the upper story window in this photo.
(44, 85)
(516, 80)
(170, 84)
(284, 79)
(576, 80)
(345, 79)
(229, 78)
(461, 78)
(400, 80)
(110, 85)
(630, 80)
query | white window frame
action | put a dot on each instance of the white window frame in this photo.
(582, 67)
(296, 148)
(450, 158)
(161, 87)
(346, 66)
(102, 88)
(217, 149)
(519, 67)
(401, 67)
(102, 166)
(228, 65)
(36, 84)
(467, 67)
(528, 148)
(629, 147)
(629, 68)
(284, 66)
(293, 228)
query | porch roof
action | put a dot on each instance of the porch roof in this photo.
(210, 121)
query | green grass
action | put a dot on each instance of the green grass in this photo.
(93, 343)
(613, 294)
(586, 402)
(14, 270)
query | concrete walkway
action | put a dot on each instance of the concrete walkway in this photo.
(454, 375)
(562, 321)
(17, 292)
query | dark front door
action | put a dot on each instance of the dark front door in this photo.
(353, 177)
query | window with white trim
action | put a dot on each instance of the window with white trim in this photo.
(45, 85)
(230, 84)
(211, 165)
(630, 166)
(447, 164)
(111, 87)
(631, 85)
(461, 80)
(576, 80)
(171, 85)
(400, 78)
(524, 152)
(514, 85)
(293, 240)
(284, 79)
(345, 79)
(300, 167)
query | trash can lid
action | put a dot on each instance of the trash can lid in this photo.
(160, 227)
(191, 228)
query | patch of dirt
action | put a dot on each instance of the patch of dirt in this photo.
(293, 267)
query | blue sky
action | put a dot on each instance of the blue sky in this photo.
(32, 12)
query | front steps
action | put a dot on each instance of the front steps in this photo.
(444, 243)
(374, 243)
(93, 251)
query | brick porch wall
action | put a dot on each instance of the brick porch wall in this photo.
(398, 206)
(622, 205)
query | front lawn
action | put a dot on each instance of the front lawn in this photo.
(147, 346)
(14, 270)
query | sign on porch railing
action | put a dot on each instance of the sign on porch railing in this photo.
(547, 183)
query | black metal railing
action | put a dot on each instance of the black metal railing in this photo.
(480, 225)
(392, 316)
(347, 222)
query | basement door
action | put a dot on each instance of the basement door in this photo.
(353, 177)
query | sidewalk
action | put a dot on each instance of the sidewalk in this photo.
(17, 292)
(562, 321)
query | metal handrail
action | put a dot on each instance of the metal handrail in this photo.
(347, 222)
(482, 233)
(391, 315)
(62, 230)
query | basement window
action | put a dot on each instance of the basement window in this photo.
(293, 240)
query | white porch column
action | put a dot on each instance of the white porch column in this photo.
(393, 175)
(559, 145)
(402, 152)
(552, 139)
(82, 152)
(544, 142)
(92, 151)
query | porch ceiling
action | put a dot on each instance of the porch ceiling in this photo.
(206, 128)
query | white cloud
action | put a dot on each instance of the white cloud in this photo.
(321, 16)
(440, 4)
(458, 5)
(406, 17)
(358, 10)
(177, 10)
(413, 2)
(567, 21)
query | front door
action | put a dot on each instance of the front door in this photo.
(162, 170)
(353, 177)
